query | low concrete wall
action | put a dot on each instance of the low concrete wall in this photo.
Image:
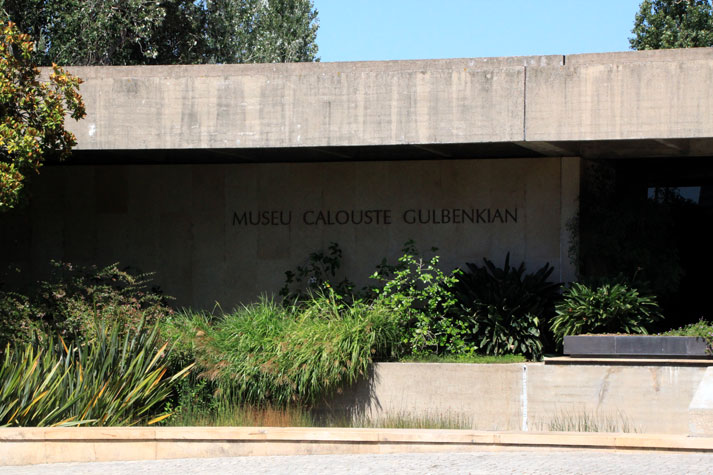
(527, 396)
(654, 399)
(649, 398)
(25, 446)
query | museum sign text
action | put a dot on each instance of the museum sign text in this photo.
(341, 217)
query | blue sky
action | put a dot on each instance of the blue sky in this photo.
(369, 30)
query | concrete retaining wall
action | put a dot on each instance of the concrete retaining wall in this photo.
(528, 396)
(521, 398)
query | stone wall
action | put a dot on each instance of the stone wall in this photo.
(227, 233)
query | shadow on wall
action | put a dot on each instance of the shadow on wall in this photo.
(359, 401)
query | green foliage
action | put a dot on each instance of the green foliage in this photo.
(123, 32)
(74, 298)
(463, 358)
(186, 331)
(81, 32)
(509, 288)
(179, 38)
(507, 306)
(406, 420)
(319, 272)
(269, 353)
(700, 329)
(499, 310)
(107, 381)
(606, 309)
(232, 414)
(420, 294)
(17, 324)
(258, 31)
(223, 412)
(497, 333)
(32, 114)
(661, 24)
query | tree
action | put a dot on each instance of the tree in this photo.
(122, 32)
(96, 32)
(32, 114)
(664, 24)
(258, 31)
(287, 31)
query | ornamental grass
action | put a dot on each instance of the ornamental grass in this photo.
(109, 380)
(271, 353)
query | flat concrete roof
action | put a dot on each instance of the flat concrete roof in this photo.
(629, 104)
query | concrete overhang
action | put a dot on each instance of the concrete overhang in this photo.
(609, 105)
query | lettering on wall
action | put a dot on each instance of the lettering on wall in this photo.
(367, 217)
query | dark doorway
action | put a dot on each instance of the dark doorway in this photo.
(649, 222)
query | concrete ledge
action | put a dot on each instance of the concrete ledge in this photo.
(618, 361)
(635, 345)
(25, 446)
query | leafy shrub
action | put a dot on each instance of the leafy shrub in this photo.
(74, 298)
(497, 333)
(319, 270)
(270, 353)
(16, 322)
(108, 380)
(507, 306)
(420, 294)
(509, 288)
(606, 309)
(701, 329)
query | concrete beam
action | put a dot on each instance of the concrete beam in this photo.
(302, 105)
(551, 105)
(610, 100)
(547, 149)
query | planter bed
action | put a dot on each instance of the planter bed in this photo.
(635, 346)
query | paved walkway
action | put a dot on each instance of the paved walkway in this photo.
(532, 462)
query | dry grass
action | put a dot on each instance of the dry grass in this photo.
(266, 416)
(585, 421)
(245, 416)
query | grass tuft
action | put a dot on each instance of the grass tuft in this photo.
(415, 421)
(587, 422)
(273, 354)
(465, 358)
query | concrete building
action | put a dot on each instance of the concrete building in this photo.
(220, 178)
